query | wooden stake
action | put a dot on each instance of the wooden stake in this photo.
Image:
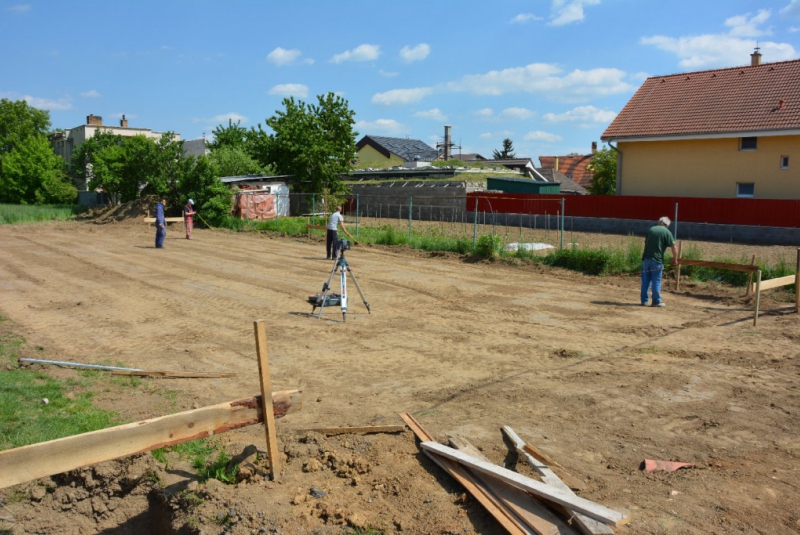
(678, 270)
(758, 297)
(797, 285)
(750, 276)
(266, 393)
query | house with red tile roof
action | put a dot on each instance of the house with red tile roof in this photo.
(720, 133)
(571, 166)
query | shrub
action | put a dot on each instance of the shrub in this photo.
(489, 246)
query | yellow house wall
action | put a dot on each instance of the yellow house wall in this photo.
(368, 155)
(710, 168)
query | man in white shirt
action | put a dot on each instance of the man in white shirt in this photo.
(332, 235)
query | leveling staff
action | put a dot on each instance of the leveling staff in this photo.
(332, 236)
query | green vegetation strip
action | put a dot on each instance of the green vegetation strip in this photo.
(11, 214)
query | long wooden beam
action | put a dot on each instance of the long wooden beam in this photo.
(587, 507)
(718, 265)
(61, 455)
(775, 283)
(175, 375)
(364, 430)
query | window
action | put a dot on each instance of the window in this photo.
(784, 162)
(748, 143)
(745, 189)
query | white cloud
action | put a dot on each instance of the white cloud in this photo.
(360, 53)
(485, 112)
(64, 103)
(388, 74)
(435, 115)
(791, 10)
(417, 53)
(746, 26)
(569, 11)
(640, 76)
(127, 115)
(585, 115)
(281, 56)
(522, 18)
(486, 135)
(289, 90)
(90, 94)
(401, 96)
(20, 8)
(381, 126)
(538, 135)
(517, 114)
(225, 117)
(501, 133)
(544, 79)
(794, 29)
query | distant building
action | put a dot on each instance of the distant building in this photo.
(573, 167)
(468, 157)
(196, 147)
(383, 151)
(65, 143)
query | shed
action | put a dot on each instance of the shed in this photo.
(522, 185)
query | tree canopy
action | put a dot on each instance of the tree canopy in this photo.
(506, 152)
(604, 168)
(18, 121)
(233, 135)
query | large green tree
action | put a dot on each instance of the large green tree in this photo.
(33, 174)
(604, 169)
(506, 152)
(315, 143)
(235, 161)
(201, 183)
(233, 135)
(19, 121)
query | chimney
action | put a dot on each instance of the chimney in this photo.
(94, 120)
(755, 57)
(447, 142)
(123, 123)
(594, 147)
(555, 163)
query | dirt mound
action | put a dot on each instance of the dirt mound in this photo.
(129, 212)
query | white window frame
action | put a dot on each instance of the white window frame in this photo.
(784, 162)
(743, 195)
(741, 143)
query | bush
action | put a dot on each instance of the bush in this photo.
(489, 246)
(389, 236)
(596, 262)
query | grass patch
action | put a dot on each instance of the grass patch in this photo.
(11, 214)
(207, 457)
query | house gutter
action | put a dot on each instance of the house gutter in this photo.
(619, 167)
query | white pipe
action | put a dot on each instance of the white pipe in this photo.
(79, 365)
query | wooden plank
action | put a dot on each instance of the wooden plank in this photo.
(586, 525)
(678, 268)
(64, 454)
(776, 283)
(562, 472)
(758, 297)
(266, 391)
(167, 219)
(531, 511)
(506, 518)
(356, 430)
(750, 276)
(797, 284)
(181, 375)
(719, 265)
(587, 507)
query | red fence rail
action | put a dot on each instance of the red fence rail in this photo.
(757, 212)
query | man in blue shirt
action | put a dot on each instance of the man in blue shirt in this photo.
(161, 224)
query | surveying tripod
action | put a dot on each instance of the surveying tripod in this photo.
(325, 298)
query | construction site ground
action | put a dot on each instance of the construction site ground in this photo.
(573, 363)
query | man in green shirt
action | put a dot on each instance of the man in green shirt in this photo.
(658, 239)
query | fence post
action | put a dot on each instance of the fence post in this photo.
(314, 208)
(562, 223)
(676, 221)
(410, 213)
(475, 225)
(357, 217)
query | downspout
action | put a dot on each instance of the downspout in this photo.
(619, 167)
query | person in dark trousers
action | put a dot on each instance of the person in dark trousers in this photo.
(161, 224)
(188, 218)
(658, 239)
(332, 235)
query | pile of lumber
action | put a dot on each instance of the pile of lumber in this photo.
(522, 505)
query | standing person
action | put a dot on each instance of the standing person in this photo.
(332, 235)
(188, 218)
(658, 239)
(161, 224)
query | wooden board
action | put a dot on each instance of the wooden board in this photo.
(167, 219)
(719, 265)
(527, 508)
(587, 507)
(586, 525)
(64, 454)
(510, 522)
(181, 375)
(775, 283)
(266, 390)
(356, 430)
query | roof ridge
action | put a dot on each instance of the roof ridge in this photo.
(689, 73)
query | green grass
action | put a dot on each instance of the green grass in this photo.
(24, 417)
(22, 213)
(207, 457)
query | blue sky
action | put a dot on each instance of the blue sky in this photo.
(549, 74)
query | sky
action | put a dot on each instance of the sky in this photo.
(550, 75)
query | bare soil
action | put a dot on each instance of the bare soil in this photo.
(571, 362)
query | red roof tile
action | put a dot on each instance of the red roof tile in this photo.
(739, 99)
(573, 167)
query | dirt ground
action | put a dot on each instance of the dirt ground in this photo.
(571, 362)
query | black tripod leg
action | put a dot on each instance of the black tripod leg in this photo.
(358, 287)
(326, 288)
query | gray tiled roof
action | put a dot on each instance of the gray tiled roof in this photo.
(407, 149)
(567, 185)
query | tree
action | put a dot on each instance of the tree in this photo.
(233, 135)
(506, 153)
(234, 161)
(201, 183)
(18, 121)
(33, 174)
(604, 169)
(314, 142)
